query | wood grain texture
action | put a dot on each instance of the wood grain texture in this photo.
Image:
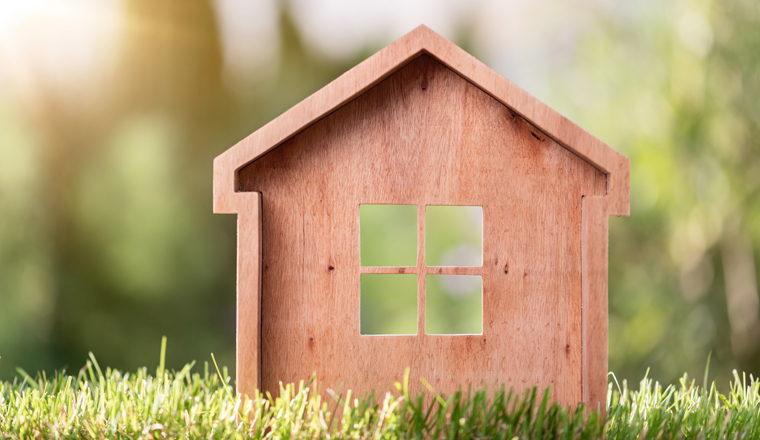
(441, 128)
(248, 341)
(595, 300)
(384, 63)
(423, 136)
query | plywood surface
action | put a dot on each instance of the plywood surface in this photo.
(424, 136)
(248, 342)
(595, 300)
(377, 67)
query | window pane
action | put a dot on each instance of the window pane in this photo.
(454, 236)
(388, 304)
(453, 305)
(388, 235)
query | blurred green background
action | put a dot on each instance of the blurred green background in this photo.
(111, 112)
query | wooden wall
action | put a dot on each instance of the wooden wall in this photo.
(423, 136)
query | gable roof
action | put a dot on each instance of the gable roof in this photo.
(379, 66)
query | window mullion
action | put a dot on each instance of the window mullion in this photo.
(388, 270)
(421, 270)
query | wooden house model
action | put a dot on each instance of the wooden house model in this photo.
(423, 123)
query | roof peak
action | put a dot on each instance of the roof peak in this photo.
(379, 66)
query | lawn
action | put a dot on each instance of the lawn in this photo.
(96, 403)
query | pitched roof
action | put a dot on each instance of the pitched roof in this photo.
(379, 66)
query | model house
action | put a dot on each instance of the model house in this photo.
(422, 128)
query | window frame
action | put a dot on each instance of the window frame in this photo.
(421, 270)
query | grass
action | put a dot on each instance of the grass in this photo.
(98, 404)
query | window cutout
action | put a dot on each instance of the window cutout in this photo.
(388, 304)
(454, 236)
(453, 305)
(388, 235)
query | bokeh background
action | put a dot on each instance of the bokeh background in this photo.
(111, 112)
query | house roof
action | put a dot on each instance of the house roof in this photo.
(379, 66)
